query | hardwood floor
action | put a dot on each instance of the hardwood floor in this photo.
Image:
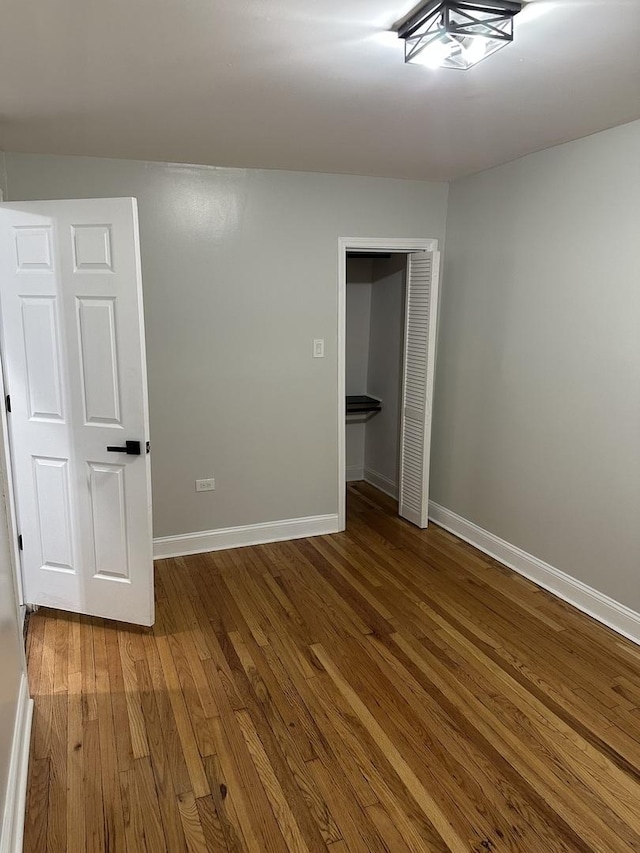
(385, 689)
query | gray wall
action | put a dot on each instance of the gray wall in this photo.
(240, 274)
(3, 174)
(358, 320)
(537, 394)
(11, 651)
(385, 365)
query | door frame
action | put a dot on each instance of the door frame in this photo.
(398, 245)
(8, 502)
(8, 506)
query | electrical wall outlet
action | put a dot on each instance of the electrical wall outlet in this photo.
(207, 485)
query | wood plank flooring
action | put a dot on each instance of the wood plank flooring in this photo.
(385, 689)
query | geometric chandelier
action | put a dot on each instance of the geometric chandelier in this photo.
(458, 33)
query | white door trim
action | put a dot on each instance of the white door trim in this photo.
(6, 485)
(403, 245)
(6, 481)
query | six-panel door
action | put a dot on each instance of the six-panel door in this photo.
(74, 365)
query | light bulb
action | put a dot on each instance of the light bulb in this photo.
(434, 54)
(475, 50)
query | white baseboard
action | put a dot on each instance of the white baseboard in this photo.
(238, 537)
(355, 472)
(381, 482)
(14, 808)
(617, 616)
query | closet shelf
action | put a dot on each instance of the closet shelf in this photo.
(361, 404)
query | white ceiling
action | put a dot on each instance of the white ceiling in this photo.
(313, 85)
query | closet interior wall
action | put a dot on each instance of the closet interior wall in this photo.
(374, 357)
(359, 287)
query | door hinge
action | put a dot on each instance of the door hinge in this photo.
(20, 545)
(8, 402)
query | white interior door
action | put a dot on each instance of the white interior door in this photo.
(74, 367)
(417, 387)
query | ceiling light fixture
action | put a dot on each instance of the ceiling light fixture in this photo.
(458, 33)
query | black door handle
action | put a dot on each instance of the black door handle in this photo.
(132, 448)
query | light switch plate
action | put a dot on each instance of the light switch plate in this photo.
(207, 485)
(318, 348)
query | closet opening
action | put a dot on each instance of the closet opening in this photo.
(373, 367)
(388, 308)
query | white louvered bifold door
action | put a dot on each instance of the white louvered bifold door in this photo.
(417, 391)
